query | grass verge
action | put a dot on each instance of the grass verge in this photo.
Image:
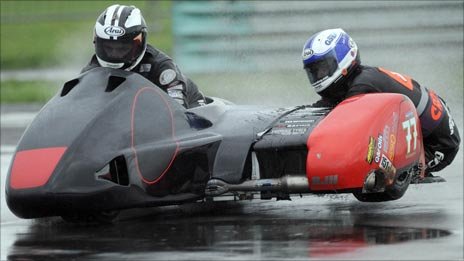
(27, 91)
(40, 34)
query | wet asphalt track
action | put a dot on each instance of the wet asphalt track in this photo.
(426, 224)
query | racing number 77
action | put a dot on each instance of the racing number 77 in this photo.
(410, 127)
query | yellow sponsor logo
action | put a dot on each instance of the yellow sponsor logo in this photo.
(370, 150)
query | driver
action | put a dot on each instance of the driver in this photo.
(120, 42)
(332, 62)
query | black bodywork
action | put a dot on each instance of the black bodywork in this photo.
(128, 144)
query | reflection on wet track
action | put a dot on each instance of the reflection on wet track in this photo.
(178, 234)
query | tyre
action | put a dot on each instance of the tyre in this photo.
(392, 192)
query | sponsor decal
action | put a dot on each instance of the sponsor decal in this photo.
(388, 167)
(386, 164)
(146, 67)
(299, 121)
(286, 132)
(297, 125)
(391, 147)
(450, 121)
(307, 53)
(439, 156)
(298, 131)
(394, 123)
(175, 94)
(167, 76)
(386, 138)
(436, 110)
(114, 31)
(327, 180)
(378, 149)
(330, 38)
(451, 125)
(370, 150)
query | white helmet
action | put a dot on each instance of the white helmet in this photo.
(329, 57)
(120, 37)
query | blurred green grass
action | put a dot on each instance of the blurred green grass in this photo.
(27, 91)
(52, 34)
(39, 34)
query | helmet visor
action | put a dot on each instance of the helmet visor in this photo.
(322, 68)
(120, 50)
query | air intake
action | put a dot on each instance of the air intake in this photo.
(114, 82)
(68, 86)
(115, 171)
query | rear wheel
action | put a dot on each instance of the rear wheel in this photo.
(392, 192)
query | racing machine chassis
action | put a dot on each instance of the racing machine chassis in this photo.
(112, 140)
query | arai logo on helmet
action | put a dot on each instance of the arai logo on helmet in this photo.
(114, 31)
(307, 53)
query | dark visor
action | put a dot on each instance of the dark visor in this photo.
(118, 51)
(324, 67)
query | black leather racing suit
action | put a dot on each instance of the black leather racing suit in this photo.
(440, 133)
(163, 72)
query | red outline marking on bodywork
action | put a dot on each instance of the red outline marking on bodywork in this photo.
(132, 136)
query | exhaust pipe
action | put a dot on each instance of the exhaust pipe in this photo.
(287, 184)
(375, 182)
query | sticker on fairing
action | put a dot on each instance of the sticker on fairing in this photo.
(167, 76)
(288, 131)
(370, 150)
(299, 121)
(389, 170)
(391, 147)
(378, 148)
(386, 138)
(146, 67)
(297, 125)
(175, 94)
(387, 165)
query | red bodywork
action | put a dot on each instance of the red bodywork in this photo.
(33, 168)
(361, 134)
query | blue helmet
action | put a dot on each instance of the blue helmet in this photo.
(329, 57)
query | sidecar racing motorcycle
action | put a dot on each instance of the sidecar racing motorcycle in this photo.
(111, 140)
